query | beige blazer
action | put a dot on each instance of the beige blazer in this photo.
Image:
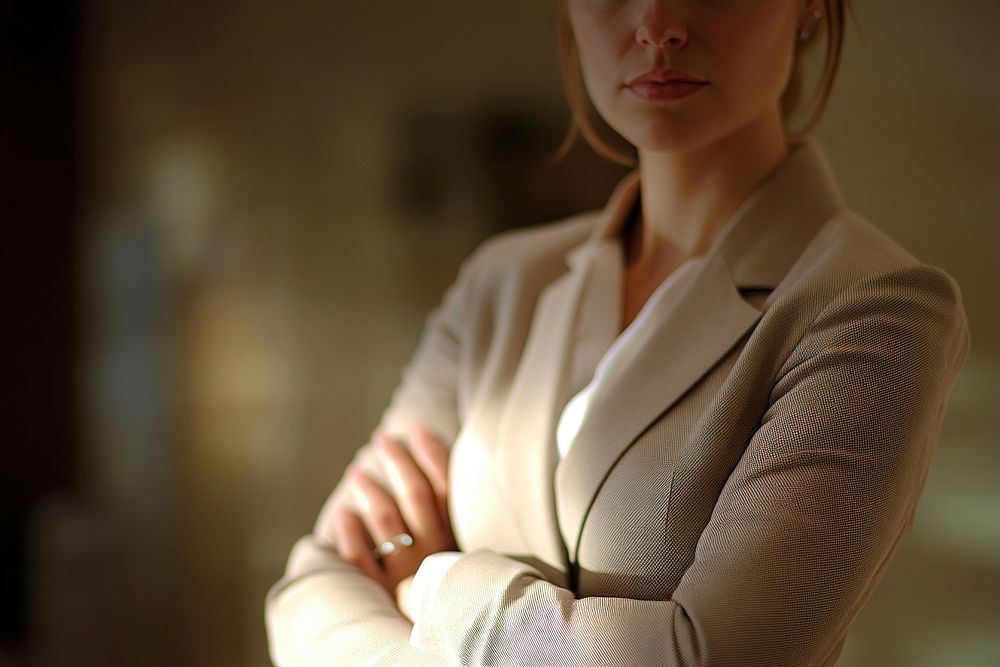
(734, 502)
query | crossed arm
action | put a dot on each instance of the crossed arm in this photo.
(800, 535)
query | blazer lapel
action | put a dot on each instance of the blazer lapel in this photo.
(526, 451)
(526, 445)
(706, 319)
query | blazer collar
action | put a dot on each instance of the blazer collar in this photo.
(766, 234)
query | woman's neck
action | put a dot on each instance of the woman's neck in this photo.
(687, 198)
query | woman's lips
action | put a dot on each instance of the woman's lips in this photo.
(668, 91)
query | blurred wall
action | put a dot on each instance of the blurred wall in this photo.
(276, 196)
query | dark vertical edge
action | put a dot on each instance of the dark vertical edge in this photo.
(39, 219)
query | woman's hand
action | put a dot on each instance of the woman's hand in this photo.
(416, 503)
(403, 597)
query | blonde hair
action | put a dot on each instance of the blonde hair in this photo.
(792, 103)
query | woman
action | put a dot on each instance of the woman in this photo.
(689, 429)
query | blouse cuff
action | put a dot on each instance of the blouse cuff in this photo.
(427, 580)
(457, 596)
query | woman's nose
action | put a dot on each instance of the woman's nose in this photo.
(661, 28)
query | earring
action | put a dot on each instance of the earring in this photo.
(806, 33)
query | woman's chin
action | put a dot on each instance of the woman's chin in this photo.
(670, 138)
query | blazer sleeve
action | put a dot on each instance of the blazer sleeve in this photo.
(802, 530)
(325, 610)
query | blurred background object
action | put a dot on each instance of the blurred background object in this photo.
(224, 226)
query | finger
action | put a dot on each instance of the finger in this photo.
(417, 500)
(403, 597)
(378, 509)
(432, 456)
(353, 543)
